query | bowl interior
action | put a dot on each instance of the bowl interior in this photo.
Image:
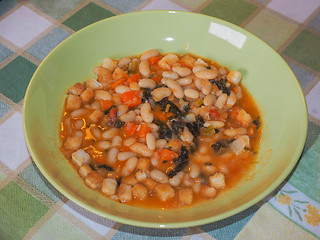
(265, 74)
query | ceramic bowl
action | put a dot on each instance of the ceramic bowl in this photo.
(265, 74)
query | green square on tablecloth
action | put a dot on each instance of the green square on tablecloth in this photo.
(235, 11)
(58, 227)
(270, 28)
(19, 211)
(56, 8)
(32, 175)
(15, 77)
(191, 4)
(87, 15)
(305, 49)
(2, 176)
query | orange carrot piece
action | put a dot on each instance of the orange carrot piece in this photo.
(143, 131)
(105, 104)
(117, 83)
(160, 115)
(113, 114)
(167, 155)
(130, 128)
(134, 78)
(131, 98)
(154, 60)
(156, 78)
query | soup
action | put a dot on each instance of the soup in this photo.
(161, 130)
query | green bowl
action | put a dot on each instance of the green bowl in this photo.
(265, 74)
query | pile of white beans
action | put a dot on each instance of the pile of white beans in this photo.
(130, 164)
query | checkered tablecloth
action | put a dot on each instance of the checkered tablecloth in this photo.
(30, 208)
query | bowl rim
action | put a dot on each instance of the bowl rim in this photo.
(192, 223)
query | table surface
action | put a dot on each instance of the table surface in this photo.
(30, 208)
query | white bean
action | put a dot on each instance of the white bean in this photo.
(138, 120)
(191, 93)
(128, 117)
(129, 166)
(161, 93)
(78, 134)
(109, 64)
(95, 105)
(79, 112)
(110, 133)
(222, 70)
(171, 75)
(215, 124)
(144, 68)
(232, 98)
(123, 62)
(148, 54)
(154, 162)
(198, 83)
(146, 113)
(182, 71)
(159, 176)
(175, 181)
(234, 77)
(187, 180)
(141, 149)
(78, 124)
(122, 109)
(103, 145)
(147, 83)
(161, 143)
(164, 80)
(194, 170)
(184, 81)
(129, 141)
(84, 170)
(209, 100)
(198, 68)
(96, 115)
(206, 88)
(122, 89)
(73, 143)
(102, 95)
(122, 156)
(176, 88)
(94, 84)
(112, 155)
(96, 132)
(206, 74)
(151, 141)
(221, 101)
(116, 141)
(232, 132)
(154, 127)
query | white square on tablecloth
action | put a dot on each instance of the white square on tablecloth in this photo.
(13, 149)
(99, 224)
(313, 100)
(298, 10)
(163, 5)
(22, 26)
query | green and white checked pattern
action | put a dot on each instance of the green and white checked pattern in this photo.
(30, 208)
